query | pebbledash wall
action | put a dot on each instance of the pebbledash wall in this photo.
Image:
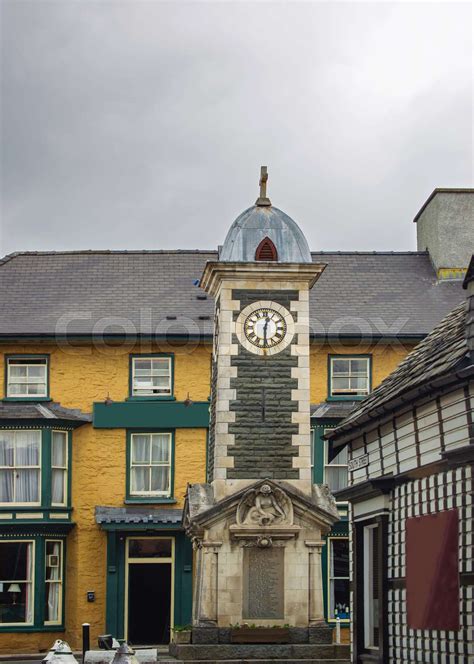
(83, 375)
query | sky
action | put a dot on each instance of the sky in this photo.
(143, 125)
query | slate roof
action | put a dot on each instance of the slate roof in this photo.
(154, 292)
(339, 409)
(152, 515)
(441, 352)
(10, 410)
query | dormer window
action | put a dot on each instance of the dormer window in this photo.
(266, 251)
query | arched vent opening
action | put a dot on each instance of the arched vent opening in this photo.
(266, 251)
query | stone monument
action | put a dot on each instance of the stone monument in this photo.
(257, 526)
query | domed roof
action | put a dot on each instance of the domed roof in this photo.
(258, 223)
(263, 222)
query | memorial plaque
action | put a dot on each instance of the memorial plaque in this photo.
(264, 595)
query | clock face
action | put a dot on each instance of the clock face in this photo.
(265, 328)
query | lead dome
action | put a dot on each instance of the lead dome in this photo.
(260, 222)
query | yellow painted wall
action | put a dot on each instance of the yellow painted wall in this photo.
(99, 471)
(79, 376)
(384, 360)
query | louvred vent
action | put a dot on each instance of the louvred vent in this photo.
(266, 251)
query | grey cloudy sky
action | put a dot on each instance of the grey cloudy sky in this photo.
(143, 124)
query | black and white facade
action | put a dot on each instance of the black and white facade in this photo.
(411, 459)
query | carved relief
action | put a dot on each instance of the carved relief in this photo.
(264, 506)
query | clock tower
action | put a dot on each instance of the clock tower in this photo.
(258, 524)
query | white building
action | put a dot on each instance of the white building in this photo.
(411, 457)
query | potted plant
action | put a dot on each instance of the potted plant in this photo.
(181, 634)
(246, 633)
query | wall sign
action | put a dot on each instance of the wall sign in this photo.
(359, 462)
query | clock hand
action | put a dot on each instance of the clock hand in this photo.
(267, 320)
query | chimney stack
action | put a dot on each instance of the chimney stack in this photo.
(445, 228)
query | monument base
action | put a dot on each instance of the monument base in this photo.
(317, 635)
(240, 653)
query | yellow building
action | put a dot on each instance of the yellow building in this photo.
(104, 417)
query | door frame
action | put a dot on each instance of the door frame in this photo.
(156, 561)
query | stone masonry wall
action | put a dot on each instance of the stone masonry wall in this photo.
(263, 426)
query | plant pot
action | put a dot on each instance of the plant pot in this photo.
(182, 637)
(260, 635)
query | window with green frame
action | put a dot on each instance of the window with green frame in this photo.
(338, 579)
(349, 376)
(34, 467)
(27, 377)
(150, 461)
(31, 583)
(151, 376)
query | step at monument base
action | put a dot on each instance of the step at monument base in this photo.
(236, 652)
(258, 661)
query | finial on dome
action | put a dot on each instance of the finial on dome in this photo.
(262, 200)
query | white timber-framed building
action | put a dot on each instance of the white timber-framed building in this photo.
(411, 458)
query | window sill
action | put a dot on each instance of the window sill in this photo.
(7, 629)
(150, 501)
(351, 398)
(152, 398)
(34, 507)
(35, 399)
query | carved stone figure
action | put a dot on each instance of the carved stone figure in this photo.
(264, 506)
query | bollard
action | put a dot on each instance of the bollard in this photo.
(62, 655)
(53, 649)
(338, 630)
(124, 655)
(86, 639)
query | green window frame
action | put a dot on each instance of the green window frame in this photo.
(161, 365)
(40, 597)
(147, 466)
(345, 377)
(48, 468)
(28, 362)
(336, 583)
(20, 467)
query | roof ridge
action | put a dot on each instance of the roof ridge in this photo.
(8, 257)
(371, 253)
(106, 252)
(87, 252)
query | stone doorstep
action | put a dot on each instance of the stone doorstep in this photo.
(257, 661)
(256, 652)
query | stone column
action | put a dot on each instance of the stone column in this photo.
(315, 582)
(206, 606)
(197, 547)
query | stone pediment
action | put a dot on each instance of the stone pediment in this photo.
(265, 507)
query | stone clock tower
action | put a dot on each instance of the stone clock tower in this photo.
(258, 525)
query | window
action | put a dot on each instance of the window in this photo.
(27, 377)
(349, 376)
(371, 586)
(16, 583)
(150, 464)
(53, 581)
(151, 376)
(58, 467)
(20, 467)
(338, 595)
(335, 467)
